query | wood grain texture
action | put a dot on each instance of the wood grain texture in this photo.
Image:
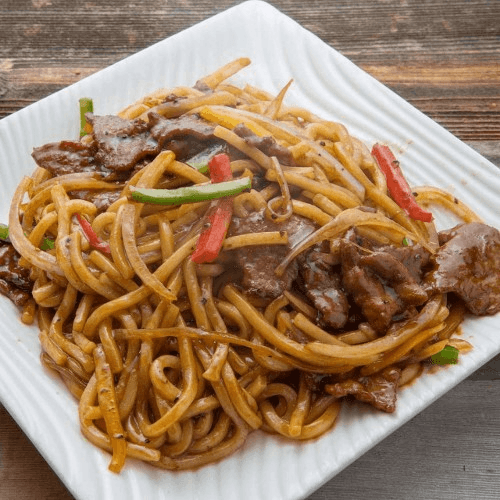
(443, 56)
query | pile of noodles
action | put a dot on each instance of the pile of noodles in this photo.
(164, 370)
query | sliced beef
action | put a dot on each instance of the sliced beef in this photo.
(414, 258)
(396, 275)
(14, 279)
(323, 287)
(379, 390)
(377, 304)
(164, 129)
(259, 263)
(258, 267)
(67, 157)
(105, 199)
(385, 282)
(468, 264)
(186, 136)
(121, 146)
(121, 143)
(267, 144)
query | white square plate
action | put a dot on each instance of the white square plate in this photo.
(327, 84)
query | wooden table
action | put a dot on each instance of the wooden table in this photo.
(443, 56)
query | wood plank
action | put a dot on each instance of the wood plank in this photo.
(470, 109)
(443, 59)
(367, 31)
(449, 76)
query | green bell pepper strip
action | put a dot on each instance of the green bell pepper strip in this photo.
(190, 194)
(201, 167)
(447, 356)
(86, 106)
(4, 232)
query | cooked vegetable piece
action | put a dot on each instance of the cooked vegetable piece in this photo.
(220, 168)
(86, 106)
(191, 194)
(396, 183)
(210, 241)
(447, 356)
(202, 167)
(47, 244)
(4, 232)
(94, 240)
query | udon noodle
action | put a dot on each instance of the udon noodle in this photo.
(173, 365)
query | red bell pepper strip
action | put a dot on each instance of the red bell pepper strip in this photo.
(220, 168)
(211, 240)
(90, 234)
(396, 183)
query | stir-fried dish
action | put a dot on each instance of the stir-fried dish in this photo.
(211, 261)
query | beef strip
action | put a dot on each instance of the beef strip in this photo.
(14, 279)
(415, 258)
(258, 263)
(323, 287)
(384, 281)
(377, 305)
(395, 273)
(186, 136)
(267, 144)
(468, 264)
(258, 272)
(67, 157)
(379, 390)
(121, 143)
